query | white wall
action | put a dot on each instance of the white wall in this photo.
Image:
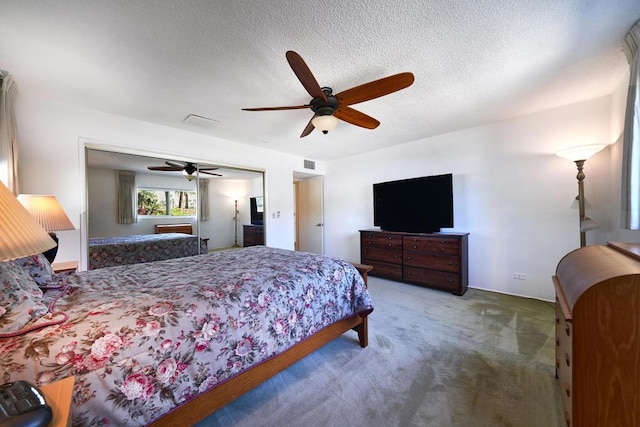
(511, 192)
(222, 195)
(52, 138)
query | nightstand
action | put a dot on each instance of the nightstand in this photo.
(62, 267)
(58, 396)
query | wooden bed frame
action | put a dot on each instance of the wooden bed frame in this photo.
(176, 228)
(207, 403)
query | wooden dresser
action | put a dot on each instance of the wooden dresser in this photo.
(438, 260)
(252, 235)
(598, 335)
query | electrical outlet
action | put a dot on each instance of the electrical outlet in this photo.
(520, 276)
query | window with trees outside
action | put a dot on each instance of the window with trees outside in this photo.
(159, 202)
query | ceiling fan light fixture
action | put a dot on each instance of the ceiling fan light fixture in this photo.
(187, 175)
(324, 123)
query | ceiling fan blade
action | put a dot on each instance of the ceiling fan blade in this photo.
(164, 168)
(209, 173)
(305, 76)
(307, 130)
(375, 89)
(295, 107)
(208, 169)
(355, 117)
(175, 164)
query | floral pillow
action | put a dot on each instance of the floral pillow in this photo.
(20, 298)
(39, 269)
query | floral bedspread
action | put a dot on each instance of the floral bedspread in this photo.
(119, 250)
(144, 338)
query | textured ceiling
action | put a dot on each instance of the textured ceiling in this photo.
(474, 61)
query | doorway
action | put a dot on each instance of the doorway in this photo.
(309, 216)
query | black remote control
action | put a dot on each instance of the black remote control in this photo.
(23, 405)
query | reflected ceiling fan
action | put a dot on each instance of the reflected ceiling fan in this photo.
(187, 169)
(327, 107)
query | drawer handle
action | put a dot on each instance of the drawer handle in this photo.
(389, 244)
(567, 330)
(557, 364)
(567, 359)
(415, 246)
(450, 262)
(450, 280)
(389, 237)
(441, 241)
(567, 389)
(408, 258)
(369, 243)
(557, 342)
(441, 249)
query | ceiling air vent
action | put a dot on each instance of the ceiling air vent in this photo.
(200, 121)
(309, 164)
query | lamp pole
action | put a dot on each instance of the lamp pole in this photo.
(579, 155)
(580, 177)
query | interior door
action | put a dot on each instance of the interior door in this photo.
(310, 215)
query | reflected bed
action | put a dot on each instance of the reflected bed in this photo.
(121, 250)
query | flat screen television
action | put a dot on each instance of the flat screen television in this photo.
(257, 210)
(418, 205)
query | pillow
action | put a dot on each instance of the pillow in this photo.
(39, 268)
(20, 298)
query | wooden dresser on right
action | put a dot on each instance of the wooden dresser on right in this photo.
(598, 335)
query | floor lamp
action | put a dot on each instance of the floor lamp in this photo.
(580, 155)
(235, 222)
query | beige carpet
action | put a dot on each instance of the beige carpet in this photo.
(434, 359)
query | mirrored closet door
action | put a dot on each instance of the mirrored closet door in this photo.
(133, 198)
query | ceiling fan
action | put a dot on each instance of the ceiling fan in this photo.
(327, 107)
(187, 169)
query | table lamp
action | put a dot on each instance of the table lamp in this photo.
(49, 214)
(20, 234)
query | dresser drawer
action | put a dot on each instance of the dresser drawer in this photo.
(380, 240)
(393, 256)
(381, 269)
(440, 279)
(435, 262)
(441, 245)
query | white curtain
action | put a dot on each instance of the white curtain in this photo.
(127, 197)
(631, 136)
(203, 197)
(8, 135)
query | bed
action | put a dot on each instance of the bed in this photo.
(170, 342)
(120, 250)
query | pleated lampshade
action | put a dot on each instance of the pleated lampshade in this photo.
(47, 211)
(20, 234)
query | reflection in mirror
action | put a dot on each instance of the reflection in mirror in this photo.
(133, 199)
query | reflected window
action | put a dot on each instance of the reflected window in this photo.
(163, 202)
